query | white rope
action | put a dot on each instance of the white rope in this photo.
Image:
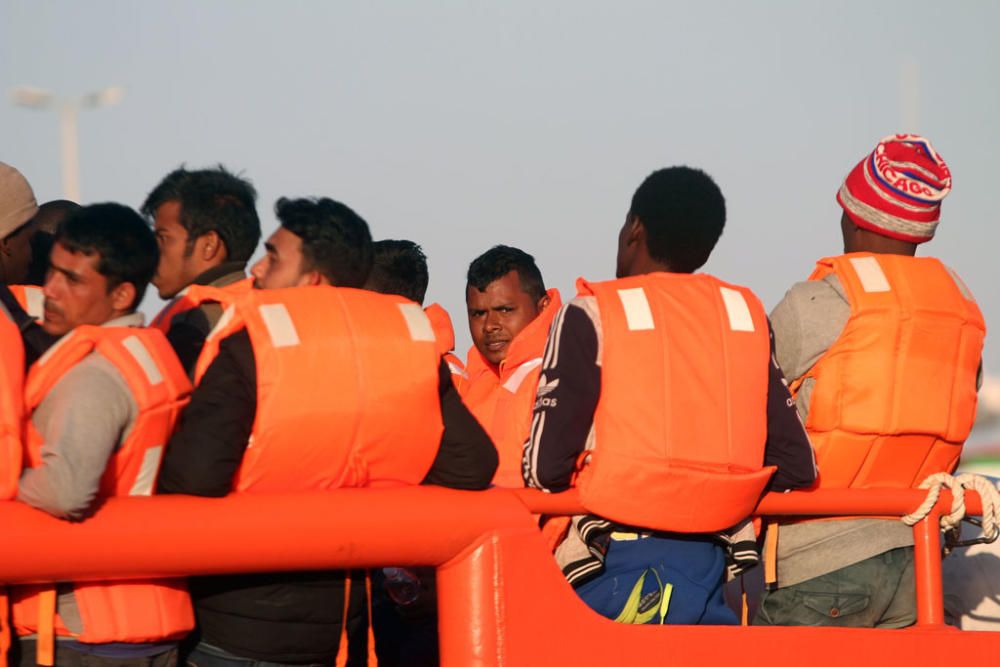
(988, 493)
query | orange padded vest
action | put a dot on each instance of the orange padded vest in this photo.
(193, 296)
(31, 298)
(11, 406)
(681, 424)
(444, 332)
(138, 610)
(502, 398)
(347, 389)
(895, 395)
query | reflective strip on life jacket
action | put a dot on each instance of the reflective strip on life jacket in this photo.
(347, 391)
(132, 611)
(681, 421)
(894, 398)
(31, 298)
(444, 334)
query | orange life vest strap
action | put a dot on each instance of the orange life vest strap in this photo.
(372, 657)
(771, 554)
(342, 647)
(5, 630)
(46, 644)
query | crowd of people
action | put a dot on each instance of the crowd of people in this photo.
(667, 397)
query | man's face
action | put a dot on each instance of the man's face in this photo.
(281, 265)
(177, 266)
(15, 254)
(75, 293)
(499, 313)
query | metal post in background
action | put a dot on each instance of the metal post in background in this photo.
(69, 109)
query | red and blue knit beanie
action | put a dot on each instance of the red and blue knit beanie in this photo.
(897, 190)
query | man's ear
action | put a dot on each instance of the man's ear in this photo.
(209, 246)
(312, 278)
(634, 231)
(123, 297)
(543, 303)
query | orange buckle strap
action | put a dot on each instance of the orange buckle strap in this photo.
(342, 647)
(745, 611)
(372, 658)
(343, 650)
(46, 645)
(5, 630)
(771, 554)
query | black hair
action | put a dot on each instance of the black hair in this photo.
(212, 200)
(123, 242)
(500, 260)
(399, 267)
(683, 212)
(46, 221)
(335, 240)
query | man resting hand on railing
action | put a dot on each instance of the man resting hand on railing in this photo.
(659, 398)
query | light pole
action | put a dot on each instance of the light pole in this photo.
(69, 108)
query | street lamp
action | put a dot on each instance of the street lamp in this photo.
(69, 108)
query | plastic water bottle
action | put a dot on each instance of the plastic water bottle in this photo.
(402, 585)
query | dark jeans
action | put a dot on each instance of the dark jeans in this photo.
(206, 655)
(878, 592)
(23, 654)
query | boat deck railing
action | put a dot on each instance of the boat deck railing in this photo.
(501, 598)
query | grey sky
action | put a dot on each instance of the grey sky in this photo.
(466, 124)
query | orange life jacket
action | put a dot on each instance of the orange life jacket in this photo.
(444, 332)
(347, 389)
(502, 398)
(11, 406)
(681, 424)
(31, 298)
(193, 296)
(895, 395)
(138, 610)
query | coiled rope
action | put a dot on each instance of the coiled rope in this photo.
(988, 494)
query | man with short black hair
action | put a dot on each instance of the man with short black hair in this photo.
(510, 312)
(207, 228)
(400, 267)
(336, 388)
(660, 400)
(100, 405)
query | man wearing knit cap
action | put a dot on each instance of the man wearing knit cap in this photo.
(882, 351)
(17, 208)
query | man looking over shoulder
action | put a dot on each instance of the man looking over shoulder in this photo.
(100, 405)
(660, 400)
(292, 358)
(207, 228)
(882, 350)
(510, 313)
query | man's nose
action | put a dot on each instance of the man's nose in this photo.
(50, 287)
(491, 322)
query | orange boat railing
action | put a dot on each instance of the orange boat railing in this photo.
(502, 600)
